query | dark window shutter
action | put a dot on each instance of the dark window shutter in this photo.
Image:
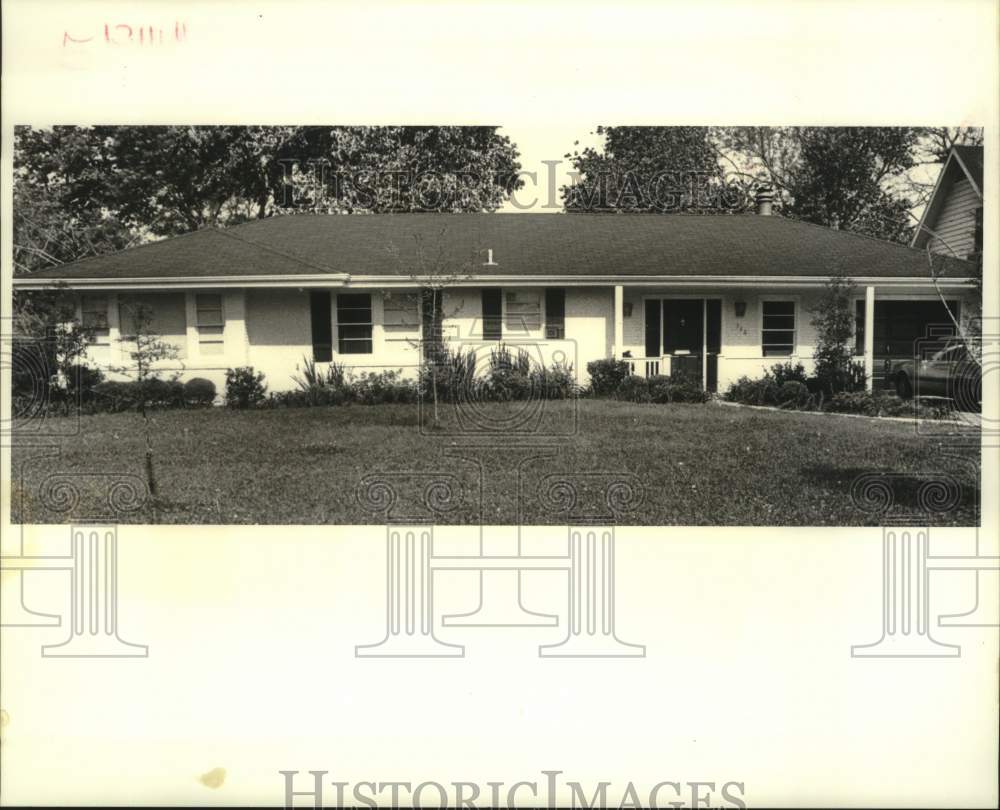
(492, 311)
(322, 328)
(555, 313)
(652, 327)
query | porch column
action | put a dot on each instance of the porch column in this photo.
(869, 338)
(619, 315)
(115, 353)
(191, 325)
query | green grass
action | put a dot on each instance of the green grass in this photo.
(692, 464)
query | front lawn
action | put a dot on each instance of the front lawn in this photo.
(630, 464)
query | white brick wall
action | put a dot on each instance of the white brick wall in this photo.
(270, 329)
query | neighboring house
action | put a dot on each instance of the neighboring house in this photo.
(952, 222)
(720, 296)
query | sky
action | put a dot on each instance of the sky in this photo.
(546, 143)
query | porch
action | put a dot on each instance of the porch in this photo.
(720, 333)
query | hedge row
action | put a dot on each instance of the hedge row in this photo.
(788, 386)
(613, 378)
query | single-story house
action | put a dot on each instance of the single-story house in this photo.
(721, 296)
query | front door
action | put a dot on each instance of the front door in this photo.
(683, 334)
(683, 326)
(690, 330)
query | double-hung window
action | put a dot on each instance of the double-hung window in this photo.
(778, 328)
(94, 316)
(210, 323)
(354, 323)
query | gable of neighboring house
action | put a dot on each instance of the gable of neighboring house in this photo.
(952, 224)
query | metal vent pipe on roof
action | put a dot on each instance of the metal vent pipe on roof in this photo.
(765, 201)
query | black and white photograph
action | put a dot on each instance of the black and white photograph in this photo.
(428, 405)
(363, 300)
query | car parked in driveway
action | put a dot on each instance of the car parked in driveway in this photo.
(949, 372)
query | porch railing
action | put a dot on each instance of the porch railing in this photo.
(649, 366)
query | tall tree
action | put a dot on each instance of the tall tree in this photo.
(651, 169)
(846, 177)
(147, 181)
(85, 191)
(843, 179)
(61, 179)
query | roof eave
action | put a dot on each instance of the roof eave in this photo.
(328, 280)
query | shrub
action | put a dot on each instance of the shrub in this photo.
(751, 392)
(687, 391)
(792, 394)
(78, 386)
(199, 392)
(606, 376)
(245, 387)
(453, 372)
(634, 389)
(556, 382)
(853, 402)
(881, 403)
(833, 320)
(509, 375)
(659, 388)
(374, 388)
(115, 396)
(282, 399)
(159, 393)
(781, 373)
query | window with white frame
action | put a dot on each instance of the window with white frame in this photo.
(777, 334)
(94, 315)
(210, 323)
(354, 323)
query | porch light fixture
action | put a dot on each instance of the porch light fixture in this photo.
(627, 309)
(740, 308)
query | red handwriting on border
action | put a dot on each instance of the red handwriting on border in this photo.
(124, 34)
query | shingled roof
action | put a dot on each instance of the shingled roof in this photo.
(529, 245)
